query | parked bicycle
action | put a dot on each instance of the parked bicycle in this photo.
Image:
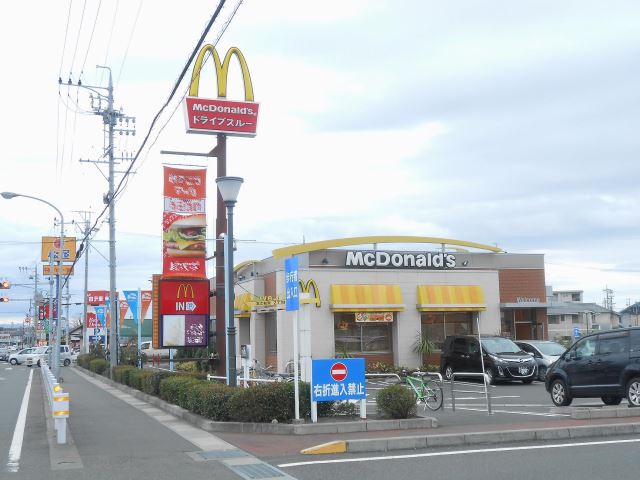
(427, 391)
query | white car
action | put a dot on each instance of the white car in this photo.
(21, 356)
(147, 350)
(42, 354)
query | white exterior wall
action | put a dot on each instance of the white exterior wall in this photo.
(408, 322)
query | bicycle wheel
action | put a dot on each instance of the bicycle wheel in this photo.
(432, 394)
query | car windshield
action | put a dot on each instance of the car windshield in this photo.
(552, 349)
(40, 350)
(500, 345)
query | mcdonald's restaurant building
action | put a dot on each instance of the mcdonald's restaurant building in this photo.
(374, 302)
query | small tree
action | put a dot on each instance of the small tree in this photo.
(423, 345)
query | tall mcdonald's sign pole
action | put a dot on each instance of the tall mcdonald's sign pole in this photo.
(221, 117)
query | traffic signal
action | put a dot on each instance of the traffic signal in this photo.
(4, 284)
(4, 299)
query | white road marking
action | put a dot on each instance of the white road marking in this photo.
(2, 378)
(459, 452)
(9, 368)
(15, 450)
(516, 413)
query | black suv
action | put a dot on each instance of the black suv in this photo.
(503, 359)
(605, 365)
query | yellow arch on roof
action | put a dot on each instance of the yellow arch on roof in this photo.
(241, 265)
(345, 242)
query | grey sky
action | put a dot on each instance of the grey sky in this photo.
(496, 121)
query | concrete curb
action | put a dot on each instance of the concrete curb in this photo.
(272, 428)
(505, 436)
(588, 413)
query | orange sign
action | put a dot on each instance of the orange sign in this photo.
(51, 245)
(66, 270)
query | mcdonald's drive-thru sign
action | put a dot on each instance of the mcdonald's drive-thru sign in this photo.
(184, 313)
(213, 116)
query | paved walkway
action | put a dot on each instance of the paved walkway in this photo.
(116, 436)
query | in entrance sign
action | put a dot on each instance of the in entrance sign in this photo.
(338, 379)
(576, 332)
(184, 313)
(292, 294)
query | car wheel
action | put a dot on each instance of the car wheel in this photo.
(13, 361)
(542, 373)
(67, 362)
(490, 376)
(633, 392)
(448, 372)
(611, 400)
(39, 363)
(560, 394)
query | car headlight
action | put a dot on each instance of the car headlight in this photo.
(495, 359)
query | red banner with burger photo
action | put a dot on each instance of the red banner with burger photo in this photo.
(184, 223)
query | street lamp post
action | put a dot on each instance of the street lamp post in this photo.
(229, 188)
(56, 348)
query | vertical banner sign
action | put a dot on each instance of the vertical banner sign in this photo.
(184, 223)
(184, 313)
(292, 299)
(146, 301)
(100, 313)
(131, 297)
(123, 307)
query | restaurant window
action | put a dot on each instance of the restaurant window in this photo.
(271, 332)
(439, 325)
(357, 337)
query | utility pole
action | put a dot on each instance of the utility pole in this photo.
(86, 216)
(109, 119)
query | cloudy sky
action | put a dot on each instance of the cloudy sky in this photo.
(499, 122)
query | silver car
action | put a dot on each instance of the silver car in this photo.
(544, 351)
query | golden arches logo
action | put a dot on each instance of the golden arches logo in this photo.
(184, 288)
(222, 72)
(306, 288)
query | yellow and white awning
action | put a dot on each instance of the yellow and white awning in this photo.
(366, 298)
(450, 298)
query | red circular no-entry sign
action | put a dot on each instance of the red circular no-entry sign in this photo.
(338, 371)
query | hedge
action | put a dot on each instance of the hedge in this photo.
(99, 366)
(211, 400)
(396, 401)
(175, 388)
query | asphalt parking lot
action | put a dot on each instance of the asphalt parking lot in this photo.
(510, 402)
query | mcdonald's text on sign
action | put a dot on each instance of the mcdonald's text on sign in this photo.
(206, 115)
(184, 297)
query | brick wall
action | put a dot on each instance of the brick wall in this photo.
(521, 283)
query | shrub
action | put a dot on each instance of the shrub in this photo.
(187, 366)
(151, 384)
(134, 379)
(262, 403)
(396, 401)
(211, 400)
(83, 360)
(121, 373)
(129, 354)
(304, 394)
(175, 388)
(99, 366)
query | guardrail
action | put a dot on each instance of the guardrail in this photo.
(470, 374)
(58, 401)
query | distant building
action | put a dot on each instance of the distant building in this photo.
(630, 316)
(566, 311)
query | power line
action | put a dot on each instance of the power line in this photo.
(95, 21)
(64, 45)
(126, 52)
(113, 24)
(155, 119)
(75, 50)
